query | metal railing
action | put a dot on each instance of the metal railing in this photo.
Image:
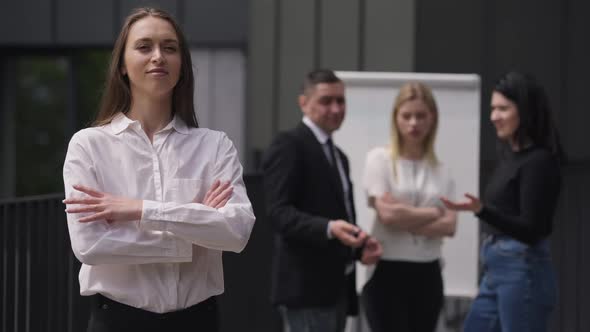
(38, 271)
(39, 289)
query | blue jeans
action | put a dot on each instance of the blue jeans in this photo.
(518, 290)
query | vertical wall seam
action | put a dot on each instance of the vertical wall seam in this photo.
(116, 18)
(180, 13)
(53, 21)
(415, 66)
(318, 34)
(361, 34)
(276, 68)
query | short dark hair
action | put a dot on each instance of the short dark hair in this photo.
(318, 76)
(532, 103)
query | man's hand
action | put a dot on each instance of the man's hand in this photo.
(218, 195)
(372, 251)
(104, 206)
(347, 233)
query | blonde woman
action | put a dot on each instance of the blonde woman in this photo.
(403, 183)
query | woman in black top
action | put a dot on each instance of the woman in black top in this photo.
(518, 289)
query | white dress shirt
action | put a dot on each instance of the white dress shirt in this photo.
(171, 258)
(322, 137)
(416, 183)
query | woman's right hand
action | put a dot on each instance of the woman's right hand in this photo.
(384, 205)
(103, 206)
(472, 204)
(218, 195)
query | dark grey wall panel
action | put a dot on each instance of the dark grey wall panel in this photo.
(388, 35)
(55, 23)
(570, 252)
(126, 6)
(530, 45)
(339, 34)
(261, 74)
(584, 257)
(490, 38)
(7, 127)
(565, 254)
(85, 22)
(216, 22)
(456, 43)
(296, 55)
(449, 40)
(26, 22)
(577, 72)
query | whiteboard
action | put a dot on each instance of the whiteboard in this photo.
(369, 99)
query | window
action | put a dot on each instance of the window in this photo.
(54, 96)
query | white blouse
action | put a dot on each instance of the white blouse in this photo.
(171, 258)
(417, 183)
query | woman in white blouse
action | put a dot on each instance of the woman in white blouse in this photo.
(403, 183)
(152, 199)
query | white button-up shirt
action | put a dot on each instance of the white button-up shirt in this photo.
(171, 258)
(417, 183)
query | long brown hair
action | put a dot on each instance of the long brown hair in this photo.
(117, 94)
(414, 91)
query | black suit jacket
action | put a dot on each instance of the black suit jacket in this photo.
(302, 194)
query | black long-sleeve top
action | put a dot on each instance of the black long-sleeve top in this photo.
(521, 197)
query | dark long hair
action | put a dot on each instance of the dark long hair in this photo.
(532, 103)
(117, 94)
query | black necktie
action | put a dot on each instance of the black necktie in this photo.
(334, 162)
(330, 145)
(339, 180)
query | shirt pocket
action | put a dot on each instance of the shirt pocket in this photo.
(187, 190)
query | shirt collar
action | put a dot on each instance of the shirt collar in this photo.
(319, 134)
(121, 122)
(178, 125)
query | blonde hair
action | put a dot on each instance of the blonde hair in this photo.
(414, 91)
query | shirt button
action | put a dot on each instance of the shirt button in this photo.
(105, 306)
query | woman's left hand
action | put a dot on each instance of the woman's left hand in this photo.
(104, 206)
(218, 195)
(472, 204)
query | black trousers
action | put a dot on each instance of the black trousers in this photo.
(107, 315)
(404, 297)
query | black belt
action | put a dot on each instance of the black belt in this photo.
(101, 302)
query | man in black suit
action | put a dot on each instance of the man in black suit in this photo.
(309, 202)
